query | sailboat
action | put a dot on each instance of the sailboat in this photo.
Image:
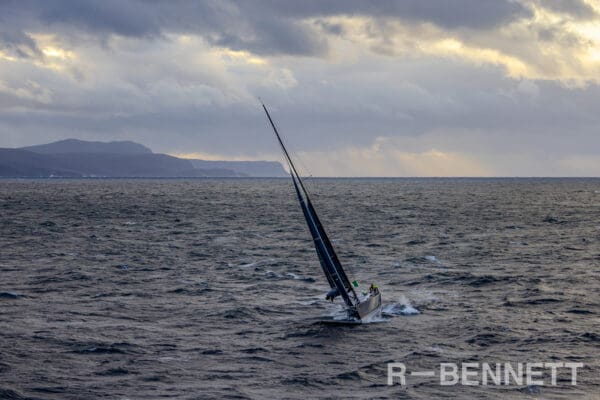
(359, 306)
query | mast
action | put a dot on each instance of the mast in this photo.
(330, 263)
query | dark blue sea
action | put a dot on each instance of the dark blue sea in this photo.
(211, 289)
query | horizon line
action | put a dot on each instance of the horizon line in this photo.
(287, 177)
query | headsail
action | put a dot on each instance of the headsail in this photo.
(330, 263)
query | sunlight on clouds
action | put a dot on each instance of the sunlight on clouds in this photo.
(55, 57)
(572, 57)
(256, 61)
(4, 56)
(380, 160)
(394, 38)
(244, 56)
(228, 157)
(184, 39)
(454, 98)
(180, 72)
(593, 55)
(385, 157)
(580, 165)
(590, 31)
(57, 53)
(453, 47)
(395, 156)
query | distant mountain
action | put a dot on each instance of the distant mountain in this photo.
(77, 158)
(81, 146)
(23, 163)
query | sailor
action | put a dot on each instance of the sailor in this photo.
(331, 294)
(373, 289)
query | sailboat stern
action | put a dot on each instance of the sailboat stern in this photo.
(369, 306)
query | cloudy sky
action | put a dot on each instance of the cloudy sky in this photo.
(358, 88)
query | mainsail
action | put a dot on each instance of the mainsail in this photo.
(337, 278)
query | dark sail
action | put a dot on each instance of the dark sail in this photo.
(330, 263)
(334, 272)
(329, 248)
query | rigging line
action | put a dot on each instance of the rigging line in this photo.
(308, 176)
(285, 152)
(293, 168)
(284, 149)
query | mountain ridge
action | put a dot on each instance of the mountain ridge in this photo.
(79, 158)
(84, 146)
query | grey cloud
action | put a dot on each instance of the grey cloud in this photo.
(153, 92)
(19, 44)
(125, 17)
(347, 105)
(576, 8)
(478, 14)
(259, 26)
(277, 37)
(222, 23)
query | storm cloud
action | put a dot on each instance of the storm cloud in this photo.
(263, 27)
(469, 87)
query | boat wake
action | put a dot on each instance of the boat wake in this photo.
(402, 307)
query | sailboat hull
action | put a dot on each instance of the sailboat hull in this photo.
(364, 309)
(369, 306)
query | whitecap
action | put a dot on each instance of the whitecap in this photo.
(259, 263)
(299, 277)
(402, 307)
